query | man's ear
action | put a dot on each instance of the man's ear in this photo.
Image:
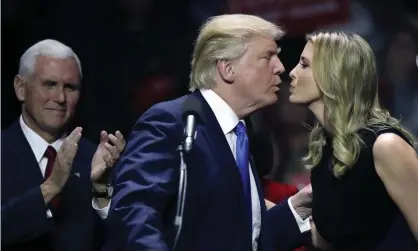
(226, 70)
(20, 88)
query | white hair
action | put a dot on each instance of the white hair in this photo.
(49, 48)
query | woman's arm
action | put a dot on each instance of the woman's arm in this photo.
(396, 163)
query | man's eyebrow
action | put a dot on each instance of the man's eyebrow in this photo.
(274, 51)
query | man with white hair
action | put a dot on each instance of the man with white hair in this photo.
(46, 206)
(235, 71)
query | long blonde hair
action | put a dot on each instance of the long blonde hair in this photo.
(344, 69)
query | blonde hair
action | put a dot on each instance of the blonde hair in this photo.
(344, 69)
(224, 37)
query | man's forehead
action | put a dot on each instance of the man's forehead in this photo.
(58, 68)
(263, 43)
(42, 61)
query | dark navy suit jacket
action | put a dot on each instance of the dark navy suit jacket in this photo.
(399, 237)
(146, 183)
(24, 224)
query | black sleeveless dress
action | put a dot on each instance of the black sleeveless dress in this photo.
(355, 211)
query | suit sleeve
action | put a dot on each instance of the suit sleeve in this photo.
(145, 184)
(399, 237)
(99, 232)
(23, 217)
(281, 231)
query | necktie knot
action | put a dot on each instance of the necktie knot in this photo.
(240, 129)
(50, 153)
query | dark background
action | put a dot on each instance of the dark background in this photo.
(135, 53)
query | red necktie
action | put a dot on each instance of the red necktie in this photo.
(51, 155)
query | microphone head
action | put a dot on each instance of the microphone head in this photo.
(192, 106)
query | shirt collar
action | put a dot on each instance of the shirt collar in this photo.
(226, 117)
(36, 142)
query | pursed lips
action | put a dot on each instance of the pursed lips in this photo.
(279, 81)
(56, 110)
(276, 86)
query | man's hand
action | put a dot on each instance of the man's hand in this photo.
(302, 201)
(62, 166)
(105, 158)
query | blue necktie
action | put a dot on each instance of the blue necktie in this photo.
(242, 152)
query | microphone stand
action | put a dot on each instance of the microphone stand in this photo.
(178, 220)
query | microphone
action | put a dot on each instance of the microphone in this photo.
(191, 111)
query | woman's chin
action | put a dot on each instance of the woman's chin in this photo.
(296, 100)
(293, 99)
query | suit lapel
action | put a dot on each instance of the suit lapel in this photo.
(215, 138)
(216, 141)
(25, 156)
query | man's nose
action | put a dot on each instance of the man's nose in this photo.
(279, 67)
(59, 95)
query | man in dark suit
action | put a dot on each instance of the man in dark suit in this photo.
(235, 71)
(46, 206)
(399, 237)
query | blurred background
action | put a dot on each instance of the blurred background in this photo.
(135, 53)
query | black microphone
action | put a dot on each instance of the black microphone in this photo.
(191, 111)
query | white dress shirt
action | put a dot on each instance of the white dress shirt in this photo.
(39, 146)
(228, 120)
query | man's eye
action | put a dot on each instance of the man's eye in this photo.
(72, 87)
(50, 83)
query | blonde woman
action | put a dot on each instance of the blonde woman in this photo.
(364, 167)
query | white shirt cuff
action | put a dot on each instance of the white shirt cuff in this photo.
(304, 225)
(102, 212)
